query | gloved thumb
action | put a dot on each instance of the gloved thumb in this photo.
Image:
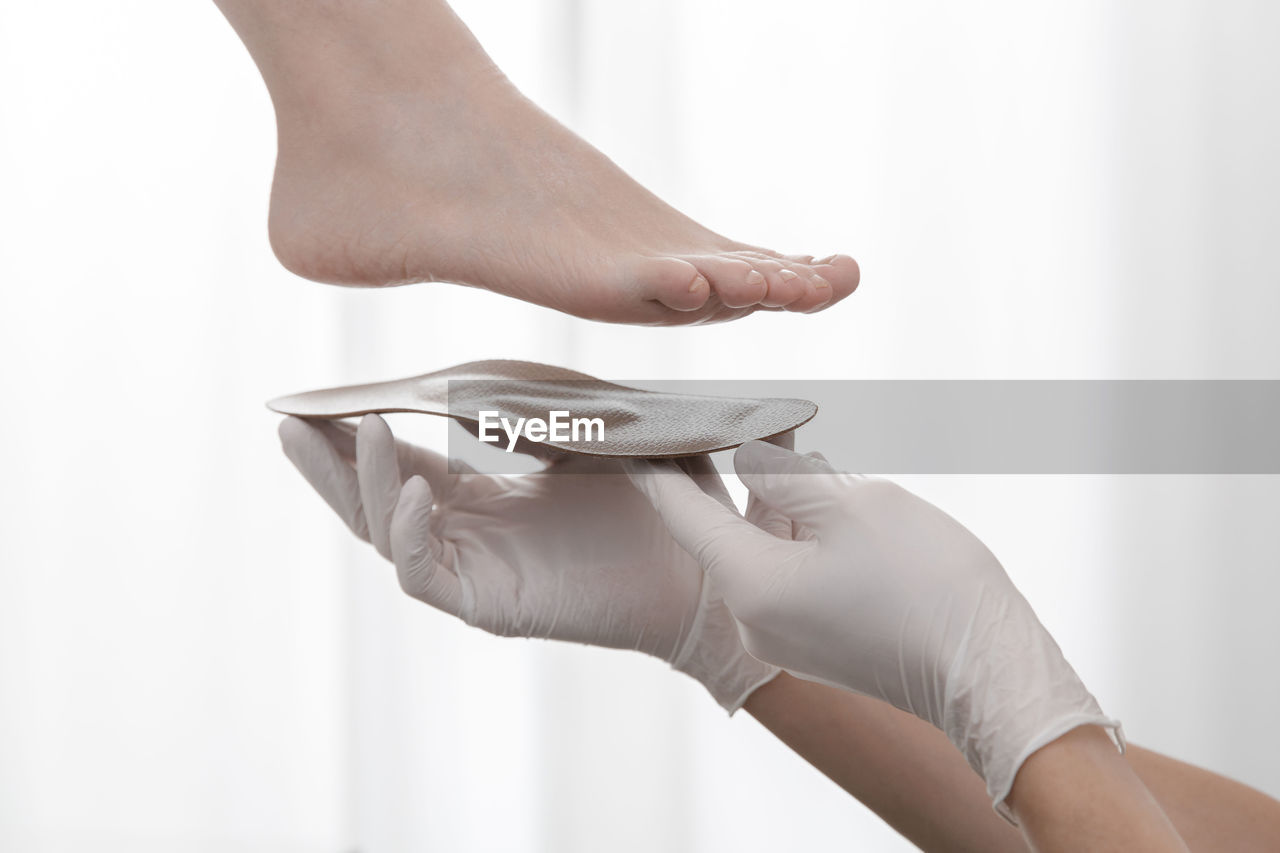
(803, 488)
(426, 566)
(714, 535)
(761, 514)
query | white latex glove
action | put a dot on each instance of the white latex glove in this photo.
(570, 553)
(874, 590)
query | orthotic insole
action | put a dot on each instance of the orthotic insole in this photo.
(637, 423)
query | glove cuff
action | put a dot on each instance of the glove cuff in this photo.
(713, 655)
(1017, 694)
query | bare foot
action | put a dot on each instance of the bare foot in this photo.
(428, 165)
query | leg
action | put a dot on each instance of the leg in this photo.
(405, 155)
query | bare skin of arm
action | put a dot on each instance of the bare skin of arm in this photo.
(907, 772)
(1078, 793)
(1210, 812)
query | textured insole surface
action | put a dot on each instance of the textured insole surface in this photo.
(637, 423)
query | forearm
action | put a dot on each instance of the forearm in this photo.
(907, 772)
(901, 768)
(1210, 811)
(1078, 793)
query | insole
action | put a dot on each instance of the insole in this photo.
(636, 423)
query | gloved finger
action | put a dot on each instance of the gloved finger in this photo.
(802, 488)
(767, 518)
(786, 440)
(802, 532)
(703, 472)
(713, 534)
(413, 459)
(760, 513)
(437, 469)
(425, 565)
(558, 460)
(378, 472)
(325, 469)
(341, 434)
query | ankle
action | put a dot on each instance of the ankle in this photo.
(321, 62)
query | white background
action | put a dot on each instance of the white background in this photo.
(194, 655)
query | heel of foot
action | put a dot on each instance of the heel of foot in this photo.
(307, 255)
(295, 249)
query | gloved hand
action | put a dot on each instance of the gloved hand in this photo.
(874, 590)
(570, 553)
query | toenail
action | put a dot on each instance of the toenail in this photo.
(698, 283)
(787, 275)
(755, 277)
(820, 282)
(828, 259)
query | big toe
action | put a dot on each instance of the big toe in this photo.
(842, 272)
(823, 282)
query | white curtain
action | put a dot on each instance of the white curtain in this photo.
(195, 656)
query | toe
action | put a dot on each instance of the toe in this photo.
(801, 283)
(677, 284)
(787, 286)
(780, 291)
(817, 295)
(736, 281)
(826, 281)
(843, 273)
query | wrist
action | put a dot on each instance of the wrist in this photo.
(1078, 787)
(1008, 699)
(1085, 747)
(713, 655)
